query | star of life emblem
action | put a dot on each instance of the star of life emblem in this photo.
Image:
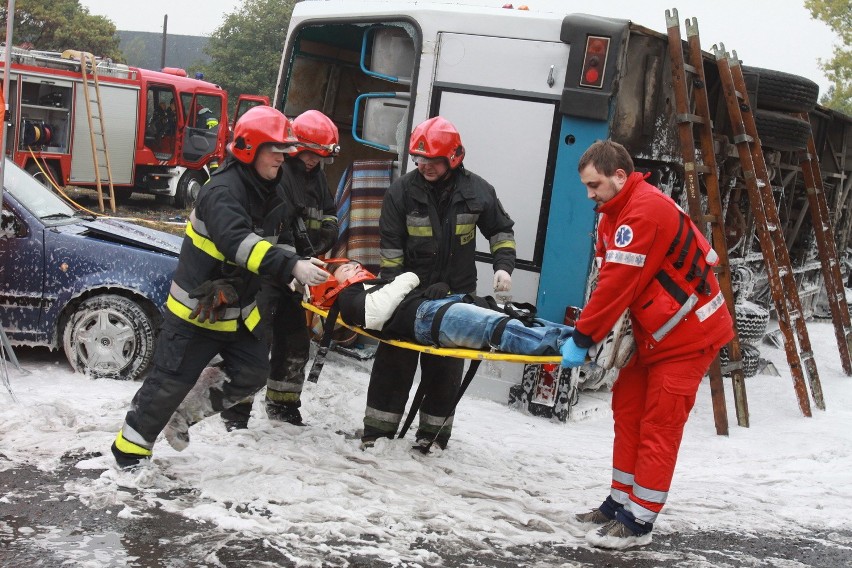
(623, 236)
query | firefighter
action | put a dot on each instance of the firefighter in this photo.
(428, 226)
(315, 233)
(654, 261)
(207, 120)
(224, 252)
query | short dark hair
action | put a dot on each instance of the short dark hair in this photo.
(606, 156)
(332, 266)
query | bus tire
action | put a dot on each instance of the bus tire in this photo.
(776, 90)
(780, 131)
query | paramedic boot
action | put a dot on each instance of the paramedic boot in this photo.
(197, 406)
(284, 412)
(625, 531)
(600, 515)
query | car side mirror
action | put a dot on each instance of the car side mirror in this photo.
(10, 226)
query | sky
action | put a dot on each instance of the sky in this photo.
(506, 479)
(777, 34)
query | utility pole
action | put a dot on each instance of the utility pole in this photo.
(165, 33)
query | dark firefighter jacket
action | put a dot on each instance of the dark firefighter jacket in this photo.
(226, 237)
(314, 204)
(416, 237)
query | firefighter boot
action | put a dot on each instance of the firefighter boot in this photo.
(197, 406)
(284, 412)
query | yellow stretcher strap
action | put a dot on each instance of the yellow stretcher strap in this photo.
(445, 351)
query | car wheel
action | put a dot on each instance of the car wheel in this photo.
(188, 187)
(109, 336)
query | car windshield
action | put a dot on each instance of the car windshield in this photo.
(36, 198)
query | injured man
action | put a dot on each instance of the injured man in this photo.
(398, 309)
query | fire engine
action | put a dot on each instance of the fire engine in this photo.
(162, 128)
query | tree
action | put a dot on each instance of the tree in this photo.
(57, 25)
(246, 49)
(837, 14)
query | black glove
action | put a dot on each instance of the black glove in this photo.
(437, 291)
(214, 296)
(327, 237)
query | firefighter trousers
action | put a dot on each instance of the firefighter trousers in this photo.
(390, 382)
(181, 355)
(650, 405)
(291, 344)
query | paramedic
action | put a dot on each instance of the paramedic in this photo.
(656, 262)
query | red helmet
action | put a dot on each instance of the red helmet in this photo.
(316, 133)
(261, 125)
(324, 295)
(437, 138)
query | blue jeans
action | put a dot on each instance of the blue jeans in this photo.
(471, 327)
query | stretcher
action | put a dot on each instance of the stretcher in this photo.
(445, 351)
(475, 356)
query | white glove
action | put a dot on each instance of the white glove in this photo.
(310, 272)
(502, 281)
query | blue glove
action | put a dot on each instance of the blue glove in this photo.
(572, 354)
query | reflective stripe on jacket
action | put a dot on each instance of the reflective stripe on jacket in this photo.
(312, 199)
(415, 238)
(654, 261)
(225, 237)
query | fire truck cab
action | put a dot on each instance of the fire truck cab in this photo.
(161, 127)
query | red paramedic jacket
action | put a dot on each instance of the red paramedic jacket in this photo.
(653, 260)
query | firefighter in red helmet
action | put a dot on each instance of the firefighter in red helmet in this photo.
(230, 243)
(315, 233)
(428, 226)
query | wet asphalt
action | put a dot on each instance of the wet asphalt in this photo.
(44, 525)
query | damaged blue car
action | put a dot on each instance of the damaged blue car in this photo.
(96, 287)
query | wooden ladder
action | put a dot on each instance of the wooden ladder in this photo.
(97, 132)
(693, 120)
(827, 250)
(776, 257)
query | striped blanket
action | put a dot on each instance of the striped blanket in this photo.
(359, 203)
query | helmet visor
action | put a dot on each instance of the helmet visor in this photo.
(423, 160)
(283, 148)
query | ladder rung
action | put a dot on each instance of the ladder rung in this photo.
(702, 169)
(689, 68)
(742, 138)
(710, 219)
(694, 118)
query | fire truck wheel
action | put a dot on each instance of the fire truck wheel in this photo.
(39, 175)
(781, 131)
(776, 90)
(188, 187)
(109, 337)
(122, 194)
